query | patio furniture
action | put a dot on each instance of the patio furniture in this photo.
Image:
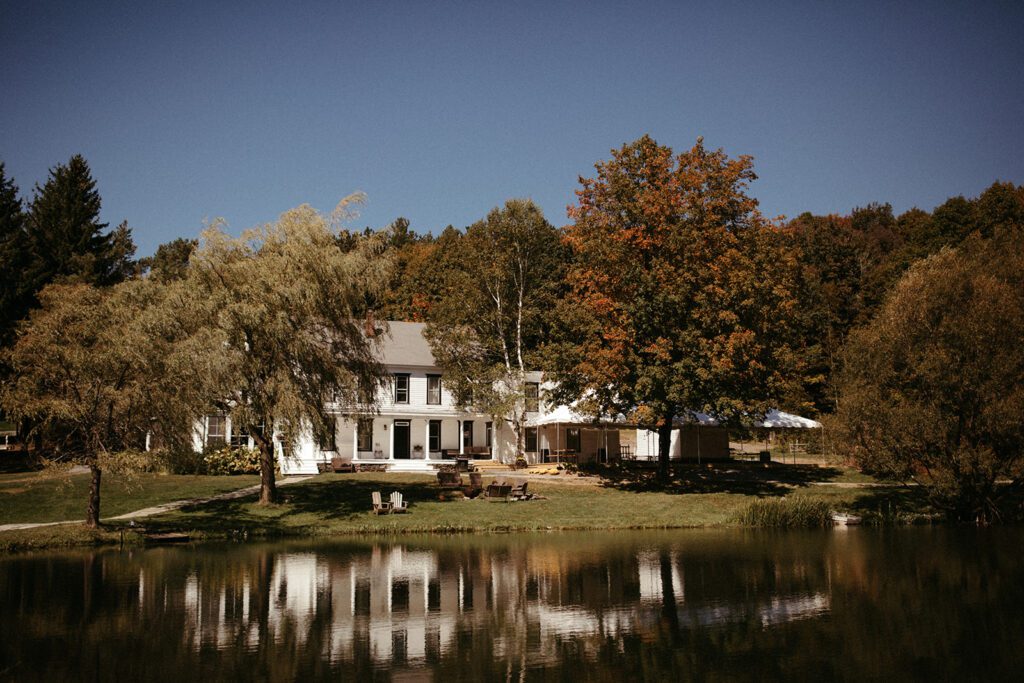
(342, 465)
(499, 492)
(518, 492)
(380, 507)
(397, 504)
(449, 480)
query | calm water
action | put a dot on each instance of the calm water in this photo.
(860, 604)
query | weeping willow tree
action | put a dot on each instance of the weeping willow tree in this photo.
(288, 315)
(96, 370)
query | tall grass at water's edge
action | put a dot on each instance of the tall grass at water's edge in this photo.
(786, 513)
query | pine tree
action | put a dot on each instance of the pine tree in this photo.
(66, 240)
(13, 304)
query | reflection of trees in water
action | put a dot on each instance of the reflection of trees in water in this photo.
(703, 604)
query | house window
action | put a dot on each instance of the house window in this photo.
(434, 436)
(364, 435)
(216, 430)
(239, 437)
(327, 440)
(364, 393)
(488, 429)
(433, 390)
(572, 439)
(401, 388)
(531, 439)
(532, 397)
(467, 434)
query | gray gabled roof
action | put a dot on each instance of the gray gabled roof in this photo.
(406, 345)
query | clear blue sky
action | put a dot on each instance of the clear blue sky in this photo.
(441, 110)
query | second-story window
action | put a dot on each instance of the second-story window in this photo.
(433, 390)
(401, 388)
(532, 391)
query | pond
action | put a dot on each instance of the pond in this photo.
(848, 604)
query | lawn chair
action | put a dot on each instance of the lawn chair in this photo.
(449, 480)
(518, 492)
(499, 492)
(380, 507)
(397, 504)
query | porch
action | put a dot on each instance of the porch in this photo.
(406, 442)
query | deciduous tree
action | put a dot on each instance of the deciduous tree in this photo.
(286, 308)
(98, 369)
(493, 317)
(679, 295)
(933, 387)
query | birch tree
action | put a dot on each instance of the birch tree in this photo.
(493, 317)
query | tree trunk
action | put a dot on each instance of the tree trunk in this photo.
(664, 446)
(92, 512)
(268, 484)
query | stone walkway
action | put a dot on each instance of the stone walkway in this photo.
(165, 507)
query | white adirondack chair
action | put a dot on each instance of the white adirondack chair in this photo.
(397, 504)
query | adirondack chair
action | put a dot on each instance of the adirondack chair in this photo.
(379, 506)
(519, 491)
(397, 504)
(498, 492)
(450, 480)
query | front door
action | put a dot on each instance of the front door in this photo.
(401, 440)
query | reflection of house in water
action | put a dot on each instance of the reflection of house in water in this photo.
(393, 605)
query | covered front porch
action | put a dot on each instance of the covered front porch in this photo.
(409, 440)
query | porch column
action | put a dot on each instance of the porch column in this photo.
(355, 440)
(426, 439)
(391, 441)
(461, 440)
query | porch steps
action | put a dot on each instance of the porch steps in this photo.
(427, 466)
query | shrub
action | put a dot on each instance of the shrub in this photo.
(229, 460)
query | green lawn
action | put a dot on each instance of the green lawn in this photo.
(338, 504)
(38, 497)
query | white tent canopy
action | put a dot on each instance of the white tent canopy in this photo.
(565, 415)
(776, 419)
(773, 419)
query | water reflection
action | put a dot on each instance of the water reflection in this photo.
(915, 603)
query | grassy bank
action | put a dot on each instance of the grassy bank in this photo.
(330, 505)
(42, 497)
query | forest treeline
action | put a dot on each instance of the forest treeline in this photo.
(666, 292)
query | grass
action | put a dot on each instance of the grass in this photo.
(787, 513)
(42, 497)
(339, 504)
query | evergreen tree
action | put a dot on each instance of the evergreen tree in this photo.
(13, 304)
(66, 240)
